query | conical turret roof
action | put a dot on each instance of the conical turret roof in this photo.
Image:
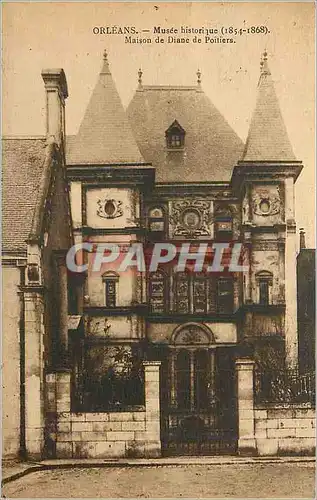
(267, 139)
(105, 136)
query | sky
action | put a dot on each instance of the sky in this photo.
(60, 35)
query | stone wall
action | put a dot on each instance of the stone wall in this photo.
(134, 433)
(271, 429)
(10, 362)
(285, 429)
(94, 435)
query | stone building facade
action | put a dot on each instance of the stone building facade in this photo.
(162, 361)
(37, 234)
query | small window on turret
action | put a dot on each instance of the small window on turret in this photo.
(175, 136)
(265, 282)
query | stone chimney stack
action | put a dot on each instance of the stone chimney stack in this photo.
(302, 242)
(56, 93)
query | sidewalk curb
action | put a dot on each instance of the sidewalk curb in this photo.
(157, 462)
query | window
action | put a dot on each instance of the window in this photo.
(182, 293)
(110, 280)
(199, 294)
(190, 293)
(157, 292)
(175, 136)
(225, 295)
(264, 282)
(264, 292)
(223, 224)
(156, 218)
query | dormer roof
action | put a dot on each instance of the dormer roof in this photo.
(211, 147)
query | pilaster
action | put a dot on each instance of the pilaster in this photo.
(245, 405)
(63, 306)
(152, 408)
(34, 373)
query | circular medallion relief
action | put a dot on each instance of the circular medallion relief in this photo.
(110, 208)
(265, 206)
(191, 218)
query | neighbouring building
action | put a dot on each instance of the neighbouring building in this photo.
(165, 361)
(306, 286)
(36, 234)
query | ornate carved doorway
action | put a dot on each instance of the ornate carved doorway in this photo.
(197, 395)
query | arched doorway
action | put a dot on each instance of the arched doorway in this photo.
(197, 395)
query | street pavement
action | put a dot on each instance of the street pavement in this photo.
(183, 480)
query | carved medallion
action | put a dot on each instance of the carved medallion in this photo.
(191, 218)
(109, 208)
(265, 203)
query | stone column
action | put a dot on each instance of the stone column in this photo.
(63, 306)
(152, 408)
(34, 383)
(192, 379)
(245, 405)
(172, 357)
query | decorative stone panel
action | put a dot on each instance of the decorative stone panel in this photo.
(191, 218)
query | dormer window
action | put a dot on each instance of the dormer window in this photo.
(175, 136)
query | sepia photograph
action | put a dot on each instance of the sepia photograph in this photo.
(158, 250)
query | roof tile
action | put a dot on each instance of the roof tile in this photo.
(22, 164)
(211, 146)
(105, 136)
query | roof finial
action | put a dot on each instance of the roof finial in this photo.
(264, 65)
(105, 66)
(198, 77)
(140, 73)
(302, 242)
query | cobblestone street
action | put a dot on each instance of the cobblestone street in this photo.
(283, 480)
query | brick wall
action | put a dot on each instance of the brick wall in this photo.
(285, 429)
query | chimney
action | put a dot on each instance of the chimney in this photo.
(56, 93)
(302, 243)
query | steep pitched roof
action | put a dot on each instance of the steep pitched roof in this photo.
(22, 162)
(104, 136)
(267, 138)
(211, 146)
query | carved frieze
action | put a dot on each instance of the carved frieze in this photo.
(265, 245)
